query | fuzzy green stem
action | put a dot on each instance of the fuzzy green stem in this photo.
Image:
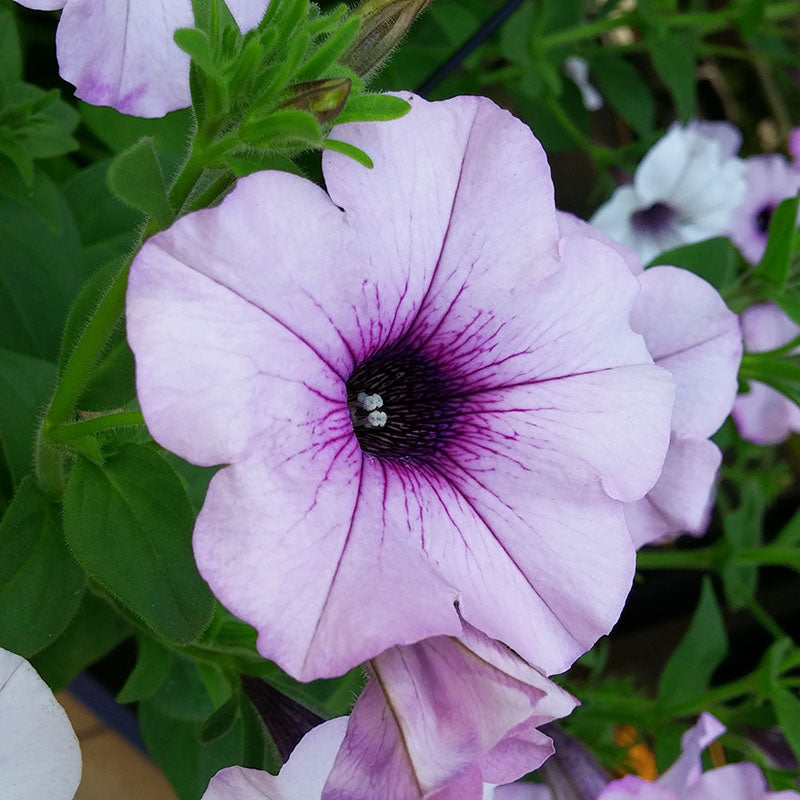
(86, 427)
(702, 558)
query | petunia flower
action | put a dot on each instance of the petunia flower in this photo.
(423, 396)
(684, 190)
(39, 753)
(762, 414)
(684, 780)
(440, 718)
(770, 179)
(121, 53)
(689, 331)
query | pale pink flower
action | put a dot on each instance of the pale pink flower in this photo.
(762, 414)
(39, 753)
(770, 179)
(422, 394)
(121, 53)
(689, 331)
(440, 718)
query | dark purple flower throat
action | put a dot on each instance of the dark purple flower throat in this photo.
(403, 405)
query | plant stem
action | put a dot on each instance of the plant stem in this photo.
(702, 558)
(86, 427)
(720, 694)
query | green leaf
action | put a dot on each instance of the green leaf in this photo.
(197, 45)
(750, 14)
(282, 128)
(673, 59)
(743, 528)
(373, 107)
(40, 583)
(135, 178)
(150, 672)
(715, 260)
(26, 384)
(329, 53)
(10, 50)
(787, 710)
(95, 630)
(42, 197)
(191, 690)
(42, 272)
(790, 533)
(129, 525)
(781, 373)
(349, 150)
(19, 157)
(625, 89)
(775, 264)
(689, 669)
(176, 747)
(222, 720)
(120, 131)
(107, 227)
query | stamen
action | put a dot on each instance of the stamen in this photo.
(376, 419)
(369, 402)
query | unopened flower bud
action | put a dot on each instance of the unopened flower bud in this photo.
(324, 98)
(384, 23)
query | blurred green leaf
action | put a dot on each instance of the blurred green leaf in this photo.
(150, 672)
(673, 59)
(750, 14)
(26, 384)
(775, 264)
(691, 666)
(40, 583)
(624, 88)
(715, 260)
(42, 272)
(191, 690)
(94, 630)
(135, 178)
(787, 710)
(222, 720)
(10, 50)
(129, 525)
(743, 528)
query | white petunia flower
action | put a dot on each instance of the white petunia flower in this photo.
(684, 190)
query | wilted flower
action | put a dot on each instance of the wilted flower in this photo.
(439, 718)
(39, 753)
(770, 179)
(123, 54)
(685, 189)
(762, 414)
(423, 398)
(689, 331)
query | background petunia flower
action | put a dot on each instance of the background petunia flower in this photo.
(689, 331)
(121, 53)
(762, 414)
(770, 179)
(684, 190)
(39, 753)
(439, 718)
(423, 395)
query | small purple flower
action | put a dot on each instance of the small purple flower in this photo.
(684, 190)
(121, 53)
(423, 395)
(39, 752)
(763, 415)
(689, 331)
(439, 718)
(770, 179)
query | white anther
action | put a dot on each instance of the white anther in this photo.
(370, 402)
(376, 419)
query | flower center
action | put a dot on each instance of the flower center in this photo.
(655, 220)
(763, 218)
(402, 405)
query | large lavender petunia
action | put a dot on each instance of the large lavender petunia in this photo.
(121, 53)
(689, 331)
(423, 395)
